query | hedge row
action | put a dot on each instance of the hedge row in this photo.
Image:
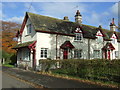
(105, 70)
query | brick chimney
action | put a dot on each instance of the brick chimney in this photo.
(112, 25)
(66, 18)
(78, 17)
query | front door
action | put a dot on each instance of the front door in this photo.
(108, 54)
(105, 54)
(34, 59)
(65, 54)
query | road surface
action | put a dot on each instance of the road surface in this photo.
(41, 80)
(9, 81)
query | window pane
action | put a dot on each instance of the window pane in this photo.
(77, 54)
(78, 36)
(44, 52)
(41, 55)
(96, 53)
(45, 55)
(41, 52)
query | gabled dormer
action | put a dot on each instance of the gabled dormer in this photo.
(114, 38)
(99, 35)
(27, 31)
(18, 37)
(29, 27)
(78, 34)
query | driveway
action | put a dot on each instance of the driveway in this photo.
(48, 81)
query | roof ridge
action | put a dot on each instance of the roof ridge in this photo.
(68, 21)
(49, 17)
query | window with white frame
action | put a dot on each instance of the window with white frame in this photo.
(29, 28)
(99, 39)
(96, 53)
(113, 40)
(78, 37)
(27, 55)
(116, 53)
(44, 52)
(77, 54)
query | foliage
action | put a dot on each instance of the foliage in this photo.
(103, 70)
(13, 59)
(46, 65)
(8, 32)
(9, 58)
(5, 55)
(8, 65)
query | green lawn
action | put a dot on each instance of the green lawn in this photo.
(8, 65)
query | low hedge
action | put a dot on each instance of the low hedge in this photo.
(104, 70)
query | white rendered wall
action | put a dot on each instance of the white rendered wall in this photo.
(28, 37)
(115, 46)
(43, 41)
(119, 49)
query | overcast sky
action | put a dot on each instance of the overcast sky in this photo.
(93, 13)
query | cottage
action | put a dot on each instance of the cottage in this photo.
(43, 37)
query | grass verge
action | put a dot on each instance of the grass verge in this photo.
(96, 82)
(8, 65)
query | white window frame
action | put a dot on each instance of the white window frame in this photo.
(44, 53)
(116, 53)
(78, 37)
(29, 29)
(78, 54)
(113, 41)
(96, 54)
(99, 39)
(27, 56)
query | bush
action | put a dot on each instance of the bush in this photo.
(46, 65)
(105, 70)
(9, 58)
(13, 59)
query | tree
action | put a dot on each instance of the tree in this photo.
(8, 30)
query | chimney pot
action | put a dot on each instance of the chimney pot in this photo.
(78, 17)
(66, 18)
(112, 25)
(100, 26)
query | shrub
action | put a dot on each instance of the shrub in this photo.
(13, 59)
(105, 70)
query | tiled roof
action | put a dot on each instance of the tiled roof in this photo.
(108, 46)
(23, 45)
(67, 44)
(49, 24)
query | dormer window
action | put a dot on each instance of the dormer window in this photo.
(99, 39)
(19, 39)
(99, 36)
(78, 35)
(29, 28)
(114, 39)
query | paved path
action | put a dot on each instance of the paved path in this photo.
(48, 81)
(11, 82)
